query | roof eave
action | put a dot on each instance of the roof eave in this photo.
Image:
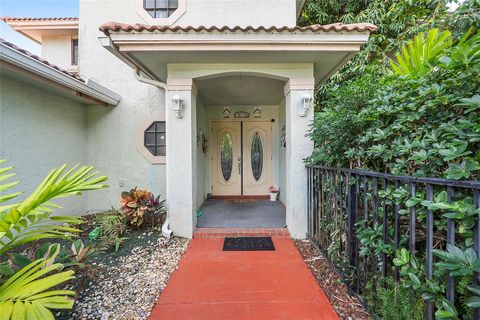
(91, 92)
(26, 27)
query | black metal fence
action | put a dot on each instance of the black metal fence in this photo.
(341, 201)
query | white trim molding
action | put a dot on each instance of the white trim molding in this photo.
(182, 7)
(305, 84)
(141, 137)
(182, 85)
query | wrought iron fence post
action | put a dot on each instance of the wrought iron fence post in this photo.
(476, 246)
(429, 250)
(352, 219)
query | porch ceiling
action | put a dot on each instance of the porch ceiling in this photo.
(151, 48)
(240, 90)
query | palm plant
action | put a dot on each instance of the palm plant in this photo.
(28, 294)
(416, 57)
(32, 219)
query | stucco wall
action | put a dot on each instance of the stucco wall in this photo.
(58, 50)
(39, 131)
(239, 12)
(201, 157)
(198, 12)
(282, 154)
(112, 132)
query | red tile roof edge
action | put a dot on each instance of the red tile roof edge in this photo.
(39, 59)
(8, 19)
(336, 27)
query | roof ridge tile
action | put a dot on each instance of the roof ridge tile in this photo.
(13, 19)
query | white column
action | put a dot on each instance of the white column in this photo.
(181, 155)
(298, 147)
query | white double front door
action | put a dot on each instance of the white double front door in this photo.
(241, 162)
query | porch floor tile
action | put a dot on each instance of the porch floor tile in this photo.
(228, 285)
(222, 213)
(239, 232)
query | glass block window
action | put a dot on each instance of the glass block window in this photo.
(155, 138)
(160, 8)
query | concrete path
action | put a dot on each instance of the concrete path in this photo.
(214, 284)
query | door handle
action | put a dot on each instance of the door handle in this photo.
(239, 166)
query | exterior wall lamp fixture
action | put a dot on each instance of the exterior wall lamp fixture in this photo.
(178, 106)
(305, 104)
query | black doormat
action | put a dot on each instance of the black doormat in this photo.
(248, 244)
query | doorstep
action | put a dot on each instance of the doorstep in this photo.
(240, 232)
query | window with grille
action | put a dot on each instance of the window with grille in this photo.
(160, 8)
(155, 138)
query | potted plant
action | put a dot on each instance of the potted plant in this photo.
(273, 190)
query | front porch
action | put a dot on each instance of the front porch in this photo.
(242, 213)
(238, 106)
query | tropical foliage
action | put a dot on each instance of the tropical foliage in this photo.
(137, 203)
(409, 103)
(28, 293)
(112, 226)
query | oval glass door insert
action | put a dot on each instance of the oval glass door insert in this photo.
(226, 155)
(257, 156)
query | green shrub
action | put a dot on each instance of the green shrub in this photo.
(427, 125)
(395, 302)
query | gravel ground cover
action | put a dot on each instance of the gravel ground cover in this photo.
(346, 306)
(125, 285)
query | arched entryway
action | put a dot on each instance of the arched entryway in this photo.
(242, 116)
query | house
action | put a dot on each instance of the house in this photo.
(214, 98)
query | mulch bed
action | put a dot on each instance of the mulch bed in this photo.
(347, 306)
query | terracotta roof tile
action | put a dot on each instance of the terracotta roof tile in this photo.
(13, 19)
(39, 59)
(336, 27)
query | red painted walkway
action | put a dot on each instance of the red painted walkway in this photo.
(214, 284)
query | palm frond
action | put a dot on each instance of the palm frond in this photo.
(32, 219)
(28, 292)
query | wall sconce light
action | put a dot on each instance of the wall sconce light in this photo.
(177, 106)
(305, 104)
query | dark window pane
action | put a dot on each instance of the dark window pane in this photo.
(149, 139)
(160, 126)
(162, 4)
(155, 138)
(151, 128)
(257, 157)
(75, 52)
(152, 150)
(160, 8)
(161, 14)
(161, 141)
(161, 151)
(152, 13)
(149, 4)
